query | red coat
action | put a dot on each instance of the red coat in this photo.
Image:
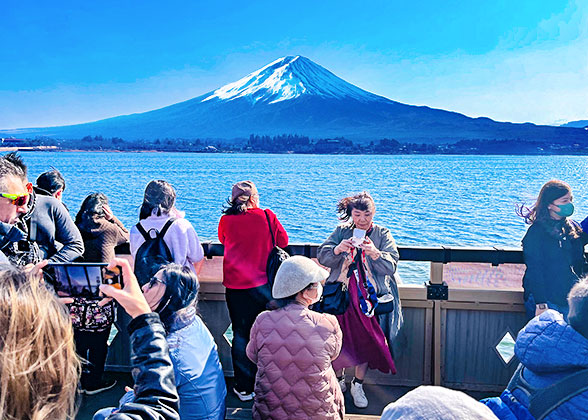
(248, 243)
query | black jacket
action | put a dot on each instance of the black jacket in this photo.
(155, 390)
(554, 264)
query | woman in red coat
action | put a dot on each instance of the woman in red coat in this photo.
(244, 230)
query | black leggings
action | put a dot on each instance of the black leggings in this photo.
(92, 348)
(244, 305)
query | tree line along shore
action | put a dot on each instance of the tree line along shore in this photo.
(291, 143)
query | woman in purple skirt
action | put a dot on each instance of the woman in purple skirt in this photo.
(364, 257)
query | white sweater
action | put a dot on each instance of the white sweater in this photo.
(181, 239)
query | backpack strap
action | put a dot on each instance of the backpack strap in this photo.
(161, 233)
(165, 227)
(270, 227)
(142, 231)
(548, 399)
(542, 401)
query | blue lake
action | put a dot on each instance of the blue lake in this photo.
(423, 200)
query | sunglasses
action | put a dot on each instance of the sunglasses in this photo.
(17, 200)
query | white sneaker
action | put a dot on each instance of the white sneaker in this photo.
(343, 385)
(359, 398)
(244, 396)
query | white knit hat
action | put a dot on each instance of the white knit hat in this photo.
(295, 274)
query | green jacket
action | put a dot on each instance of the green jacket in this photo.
(383, 268)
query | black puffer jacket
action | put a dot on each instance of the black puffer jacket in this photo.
(156, 397)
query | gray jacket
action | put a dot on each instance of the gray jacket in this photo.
(382, 269)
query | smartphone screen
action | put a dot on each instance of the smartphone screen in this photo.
(358, 236)
(82, 279)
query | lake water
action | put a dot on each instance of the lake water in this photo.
(423, 200)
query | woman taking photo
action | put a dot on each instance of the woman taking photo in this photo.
(39, 369)
(173, 293)
(296, 343)
(553, 249)
(367, 268)
(246, 232)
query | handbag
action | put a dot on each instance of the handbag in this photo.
(385, 307)
(88, 315)
(276, 257)
(335, 299)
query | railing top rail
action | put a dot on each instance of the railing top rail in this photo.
(438, 254)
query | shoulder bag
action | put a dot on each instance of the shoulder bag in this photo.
(276, 257)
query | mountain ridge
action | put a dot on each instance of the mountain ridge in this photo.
(297, 96)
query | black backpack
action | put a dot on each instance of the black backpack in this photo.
(153, 253)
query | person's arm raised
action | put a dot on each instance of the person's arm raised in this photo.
(156, 396)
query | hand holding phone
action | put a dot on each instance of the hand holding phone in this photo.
(83, 279)
(130, 296)
(358, 237)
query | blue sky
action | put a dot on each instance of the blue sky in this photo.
(65, 62)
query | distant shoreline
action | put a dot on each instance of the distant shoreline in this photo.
(142, 151)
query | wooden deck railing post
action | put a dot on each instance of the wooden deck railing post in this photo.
(437, 278)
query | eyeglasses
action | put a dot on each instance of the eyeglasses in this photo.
(16, 199)
(153, 280)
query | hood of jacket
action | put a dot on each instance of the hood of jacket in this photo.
(548, 344)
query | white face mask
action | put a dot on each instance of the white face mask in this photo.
(319, 293)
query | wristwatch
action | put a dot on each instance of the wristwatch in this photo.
(542, 306)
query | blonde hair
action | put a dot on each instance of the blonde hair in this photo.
(39, 368)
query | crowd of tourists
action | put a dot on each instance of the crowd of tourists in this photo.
(299, 328)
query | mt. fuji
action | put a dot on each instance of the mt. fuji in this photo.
(294, 95)
(289, 78)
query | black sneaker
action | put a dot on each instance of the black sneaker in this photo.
(102, 386)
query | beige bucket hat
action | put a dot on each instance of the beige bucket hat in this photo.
(295, 274)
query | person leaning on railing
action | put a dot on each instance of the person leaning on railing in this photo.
(553, 249)
(368, 270)
(101, 232)
(244, 230)
(39, 368)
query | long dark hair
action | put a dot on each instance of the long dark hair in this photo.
(362, 201)
(159, 195)
(181, 292)
(92, 208)
(539, 212)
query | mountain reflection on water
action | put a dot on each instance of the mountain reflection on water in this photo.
(422, 199)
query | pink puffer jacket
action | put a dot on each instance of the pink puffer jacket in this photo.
(293, 348)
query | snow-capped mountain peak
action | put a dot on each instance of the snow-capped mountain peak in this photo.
(288, 78)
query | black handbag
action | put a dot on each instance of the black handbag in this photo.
(335, 299)
(276, 257)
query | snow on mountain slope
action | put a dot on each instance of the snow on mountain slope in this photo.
(288, 78)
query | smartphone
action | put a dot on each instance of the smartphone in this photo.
(358, 237)
(84, 279)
